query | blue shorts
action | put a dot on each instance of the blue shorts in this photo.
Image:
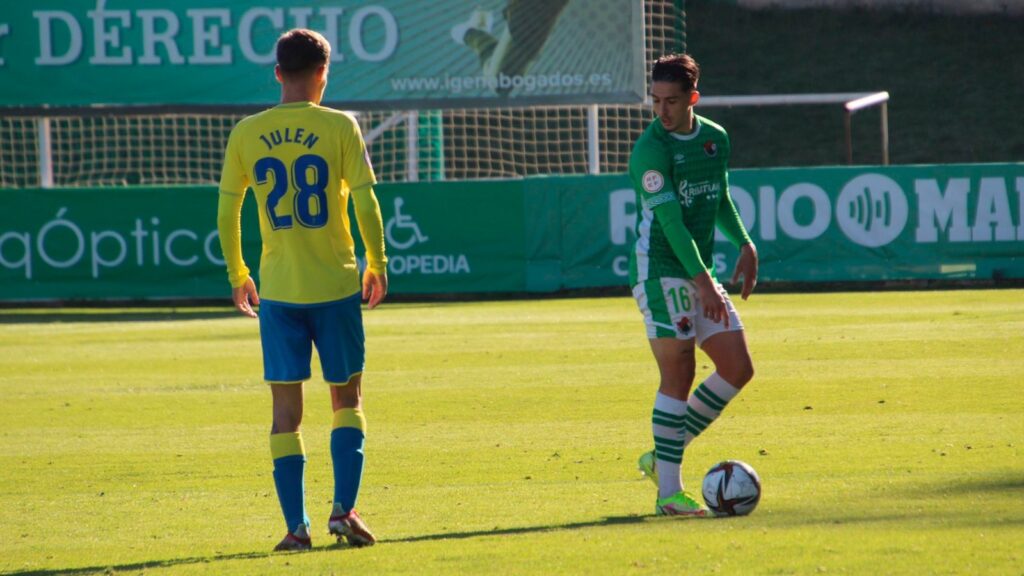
(289, 331)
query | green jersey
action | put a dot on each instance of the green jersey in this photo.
(682, 189)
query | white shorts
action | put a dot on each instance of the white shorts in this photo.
(671, 309)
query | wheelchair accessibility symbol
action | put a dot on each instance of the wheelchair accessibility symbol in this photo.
(401, 230)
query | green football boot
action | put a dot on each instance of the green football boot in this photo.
(647, 466)
(680, 504)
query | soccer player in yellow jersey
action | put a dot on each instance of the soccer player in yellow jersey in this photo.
(303, 162)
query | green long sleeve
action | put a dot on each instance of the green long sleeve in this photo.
(679, 238)
(728, 221)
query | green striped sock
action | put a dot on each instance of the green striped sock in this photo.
(667, 427)
(705, 404)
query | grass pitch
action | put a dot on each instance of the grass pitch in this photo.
(886, 427)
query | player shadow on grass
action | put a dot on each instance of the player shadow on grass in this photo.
(1000, 484)
(607, 521)
(910, 512)
(172, 562)
(140, 566)
(333, 548)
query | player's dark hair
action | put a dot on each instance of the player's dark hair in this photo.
(301, 50)
(681, 68)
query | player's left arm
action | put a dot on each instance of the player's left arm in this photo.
(359, 176)
(728, 220)
(371, 229)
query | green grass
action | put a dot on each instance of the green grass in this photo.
(940, 70)
(886, 427)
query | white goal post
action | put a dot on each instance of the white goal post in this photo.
(117, 147)
(465, 143)
(852, 102)
(606, 131)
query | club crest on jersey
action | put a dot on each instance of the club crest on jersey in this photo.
(710, 148)
(653, 181)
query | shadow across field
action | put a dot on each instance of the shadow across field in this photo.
(141, 566)
(788, 520)
(135, 567)
(170, 563)
(907, 506)
(608, 521)
(998, 484)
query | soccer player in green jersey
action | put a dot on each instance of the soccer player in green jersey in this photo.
(303, 163)
(679, 168)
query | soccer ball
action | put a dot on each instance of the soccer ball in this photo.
(732, 488)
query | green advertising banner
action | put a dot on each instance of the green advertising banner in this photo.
(886, 223)
(455, 236)
(139, 243)
(114, 243)
(837, 224)
(443, 53)
(533, 235)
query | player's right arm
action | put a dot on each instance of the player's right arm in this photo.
(234, 181)
(650, 168)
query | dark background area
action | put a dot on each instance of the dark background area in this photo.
(956, 83)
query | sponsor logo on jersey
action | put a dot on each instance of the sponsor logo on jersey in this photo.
(679, 158)
(710, 148)
(688, 193)
(653, 181)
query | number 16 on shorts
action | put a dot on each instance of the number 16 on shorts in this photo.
(679, 300)
(670, 308)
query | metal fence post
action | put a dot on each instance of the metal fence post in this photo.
(45, 152)
(593, 140)
(412, 146)
(885, 133)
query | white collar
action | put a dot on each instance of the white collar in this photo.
(691, 135)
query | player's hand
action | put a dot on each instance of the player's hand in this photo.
(245, 296)
(746, 266)
(375, 287)
(712, 301)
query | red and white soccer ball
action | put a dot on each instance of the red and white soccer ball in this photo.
(732, 488)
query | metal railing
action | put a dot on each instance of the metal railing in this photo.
(852, 102)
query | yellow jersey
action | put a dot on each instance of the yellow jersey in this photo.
(303, 162)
